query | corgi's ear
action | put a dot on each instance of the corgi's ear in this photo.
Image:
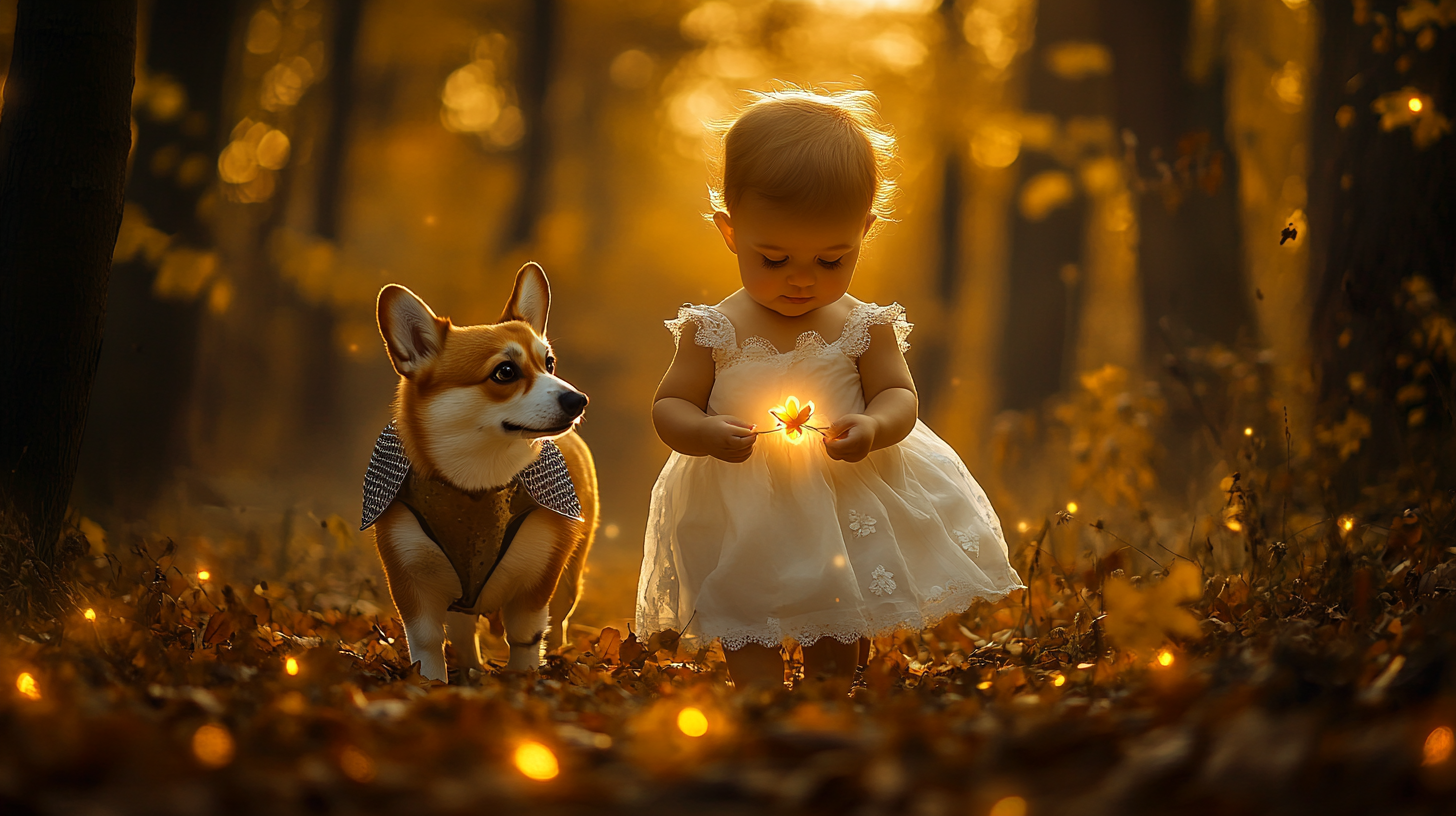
(531, 299)
(412, 332)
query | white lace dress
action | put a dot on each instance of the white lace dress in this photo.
(793, 544)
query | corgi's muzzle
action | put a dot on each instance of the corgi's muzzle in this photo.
(573, 405)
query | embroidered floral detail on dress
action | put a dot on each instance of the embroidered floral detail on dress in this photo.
(882, 581)
(861, 524)
(970, 541)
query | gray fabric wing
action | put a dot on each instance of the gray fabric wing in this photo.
(388, 466)
(549, 482)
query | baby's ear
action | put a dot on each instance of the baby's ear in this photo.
(412, 333)
(724, 222)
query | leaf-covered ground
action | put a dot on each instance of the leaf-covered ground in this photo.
(1319, 679)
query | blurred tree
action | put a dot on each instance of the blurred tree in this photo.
(1047, 240)
(1188, 248)
(134, 440)
(1382, 221)
(534, 72)
(64, 137)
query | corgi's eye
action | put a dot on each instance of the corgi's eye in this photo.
(772, 264)
(550, 365)
(505, 372)
(834, 264)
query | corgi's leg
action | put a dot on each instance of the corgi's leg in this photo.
(568, 590)
(525, 632)
(422, 584)
(523, 584)
(460, 631)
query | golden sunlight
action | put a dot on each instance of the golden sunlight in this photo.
(536, 761)
(692, 721)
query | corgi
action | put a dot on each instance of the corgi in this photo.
(482, 497)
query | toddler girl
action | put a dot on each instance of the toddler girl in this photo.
(826, 527)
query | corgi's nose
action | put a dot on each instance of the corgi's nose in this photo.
(573, 402)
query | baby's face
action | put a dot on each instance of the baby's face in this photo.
(789, 262)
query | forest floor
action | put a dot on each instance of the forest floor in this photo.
(1320, 680)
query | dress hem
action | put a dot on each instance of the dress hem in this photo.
(954, 602)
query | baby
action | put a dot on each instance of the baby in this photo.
(805, 500)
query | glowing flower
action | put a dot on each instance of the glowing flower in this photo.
(793, 418)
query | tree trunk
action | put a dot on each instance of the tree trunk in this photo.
(538, 57)
(1038, 356)
(134, 441)
(64, 137)
(1188, 252)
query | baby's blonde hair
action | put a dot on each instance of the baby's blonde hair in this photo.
(820, 151)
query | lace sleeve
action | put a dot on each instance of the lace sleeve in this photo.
(714, 330)
(873, 314)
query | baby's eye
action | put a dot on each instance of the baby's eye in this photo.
(772, 264)
(834, 264)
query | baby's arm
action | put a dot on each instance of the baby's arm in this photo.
(679, 411)
(891, 405)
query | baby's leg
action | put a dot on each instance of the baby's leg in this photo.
(755, 665)
(827, 658)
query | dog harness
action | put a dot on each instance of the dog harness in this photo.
(473, 528)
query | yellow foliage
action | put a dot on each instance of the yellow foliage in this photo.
(184, 273)
(1145, 618)
(1345, 436)
(1112, 443)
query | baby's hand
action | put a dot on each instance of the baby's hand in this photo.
(851, 437)
(728, 438)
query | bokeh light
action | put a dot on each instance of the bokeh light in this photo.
(1439, 744)
(536, 761)
(213, 745)
(692, 721)
(27, 685)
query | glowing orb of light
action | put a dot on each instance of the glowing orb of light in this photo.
(1165, 658)
(213, 745)
(1071, 507)
(692, 721)
(90, 615)
(291, 667)
(536, 761)
(203, 575)
(1415, 104)
(27, 686)
(1009, 806)
(1438, 746)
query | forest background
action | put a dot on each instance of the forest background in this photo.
(1182, 274)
